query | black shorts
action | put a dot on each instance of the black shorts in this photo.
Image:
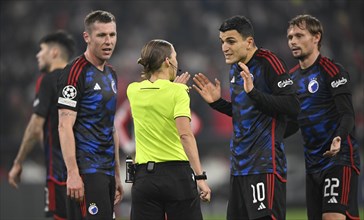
(98, 201)
(55, 200)
(169, 190)
(332, 190)
(257, 196)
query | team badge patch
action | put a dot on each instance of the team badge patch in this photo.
(93, 209)
(313, 86)
(69, 92)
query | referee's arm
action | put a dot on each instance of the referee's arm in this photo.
(190, 147)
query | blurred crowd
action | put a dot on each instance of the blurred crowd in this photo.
(192, 26)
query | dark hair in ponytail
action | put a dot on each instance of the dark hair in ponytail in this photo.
(153, 55)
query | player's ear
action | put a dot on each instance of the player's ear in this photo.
(317, 38)
(86, 37)
(54, 52)
(250, 41)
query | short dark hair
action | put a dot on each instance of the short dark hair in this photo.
(63, 39)
(239, 23)
(100, 16)
(312, 24)
(153, 55)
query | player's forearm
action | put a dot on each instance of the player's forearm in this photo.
(345, 109)
(67, 119)
(33, 134)
(222, 106)
(117, 157)
(68, 148)
(271, 104)
(189, 144)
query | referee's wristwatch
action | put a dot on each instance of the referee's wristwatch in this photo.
(201, 177)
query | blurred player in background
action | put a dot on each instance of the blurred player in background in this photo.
(262, 96)
(87, 104)
(327, 125)
(166, 149)
(56, 49)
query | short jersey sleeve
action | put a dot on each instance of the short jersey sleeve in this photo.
(182, 100)
(43, 100)
(71, 84)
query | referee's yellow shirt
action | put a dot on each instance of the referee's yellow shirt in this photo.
(154, 107)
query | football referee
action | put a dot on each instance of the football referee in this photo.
(168, 165)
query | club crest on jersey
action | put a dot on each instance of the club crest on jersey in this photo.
(284, 83)
(313, 86)
(339, 82)
(93, 209)
(113, 86)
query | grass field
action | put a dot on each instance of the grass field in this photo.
(292, 214)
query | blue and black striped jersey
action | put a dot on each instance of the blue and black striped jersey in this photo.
(93, 94)
(259, 117)
(323, 90)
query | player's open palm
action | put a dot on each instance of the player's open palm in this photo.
(75, 187)
(335, 147)
(14, 175)
(208, 91)
(248, 80)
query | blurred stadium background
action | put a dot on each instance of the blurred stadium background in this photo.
(192, 26)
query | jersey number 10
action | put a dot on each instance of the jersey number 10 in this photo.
(258, 192)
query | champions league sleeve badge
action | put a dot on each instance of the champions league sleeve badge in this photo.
(93, 209)
(69, 92)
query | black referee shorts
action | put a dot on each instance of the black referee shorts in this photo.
(167, 190)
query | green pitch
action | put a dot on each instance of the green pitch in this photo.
(292, 214)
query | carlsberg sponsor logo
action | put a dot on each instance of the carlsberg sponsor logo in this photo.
(284, 83)
(339, 82)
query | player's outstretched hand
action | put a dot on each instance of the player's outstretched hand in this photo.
(248, 80)
(14, 175)
(335, 147)
(208, 91)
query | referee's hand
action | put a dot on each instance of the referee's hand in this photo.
(205, 191)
